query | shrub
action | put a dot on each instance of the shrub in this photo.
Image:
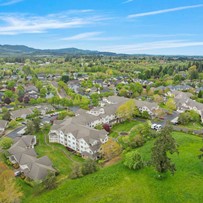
(133, 160)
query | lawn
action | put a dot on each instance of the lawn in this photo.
(123, 127)
(118, 184)
(193, 126)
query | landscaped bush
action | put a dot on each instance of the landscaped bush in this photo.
(133, 160)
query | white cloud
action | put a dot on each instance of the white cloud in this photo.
(90, 36)
(83, 36)
(164, 11)
(14, 24)
(128, 1)
(162, 35)
(151, 46)
(11, 2)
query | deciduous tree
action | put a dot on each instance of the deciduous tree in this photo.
(133, 160)
(110, 149)
(6, 142)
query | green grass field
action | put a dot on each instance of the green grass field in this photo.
(119, 184)
(193, 126)
(123, 127)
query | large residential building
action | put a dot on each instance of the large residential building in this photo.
(78, 133)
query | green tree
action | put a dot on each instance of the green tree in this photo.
(193, 72)
(164, 144)
(6, 142)
(49, 182)
(36, 112)
(89, 166)
(133, 160)
(9, 192)
(189, 117)
(6, 116)
(36, 123)
(170, 104)
(8, 94)
(43, 92)
(126, 110)
(65, 78)
(110, 149)
(30, 128)
(200, 94)
(11, 84)
(76, 171)
(12, 124)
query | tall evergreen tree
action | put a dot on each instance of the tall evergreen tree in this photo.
(164, 144)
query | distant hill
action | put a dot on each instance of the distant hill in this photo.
(21, 50)
(24, 50)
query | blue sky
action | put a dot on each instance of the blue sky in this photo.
(121, 26)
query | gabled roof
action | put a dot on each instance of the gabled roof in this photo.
(40, 168)
(20, 112)
(147, 104)
(37, 169)
(3, 124)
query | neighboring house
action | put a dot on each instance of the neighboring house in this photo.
(41, 77)
(44, 108)
(21, 113)
(49, 95)
(74, 85)
(150, 107)
(22, 152)
(99, 82)
(3, 125)
(31, 91)
(183, 103)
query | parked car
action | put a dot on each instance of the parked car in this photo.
(156, 126)
(153, 126)
(17, 173)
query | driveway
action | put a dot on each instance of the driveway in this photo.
(16, 133)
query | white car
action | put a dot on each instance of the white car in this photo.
(158, 127)
(153, 126)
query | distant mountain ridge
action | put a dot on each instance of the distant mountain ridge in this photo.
(22, 50)
(25, 50)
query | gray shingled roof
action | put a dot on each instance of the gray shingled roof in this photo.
(40, 168)
(3, 124)
(149, 105)
(20, 112)
(37, 169)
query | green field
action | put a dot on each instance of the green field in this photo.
(126, 126)
(118, 184)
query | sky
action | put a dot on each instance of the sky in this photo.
(169, 27)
